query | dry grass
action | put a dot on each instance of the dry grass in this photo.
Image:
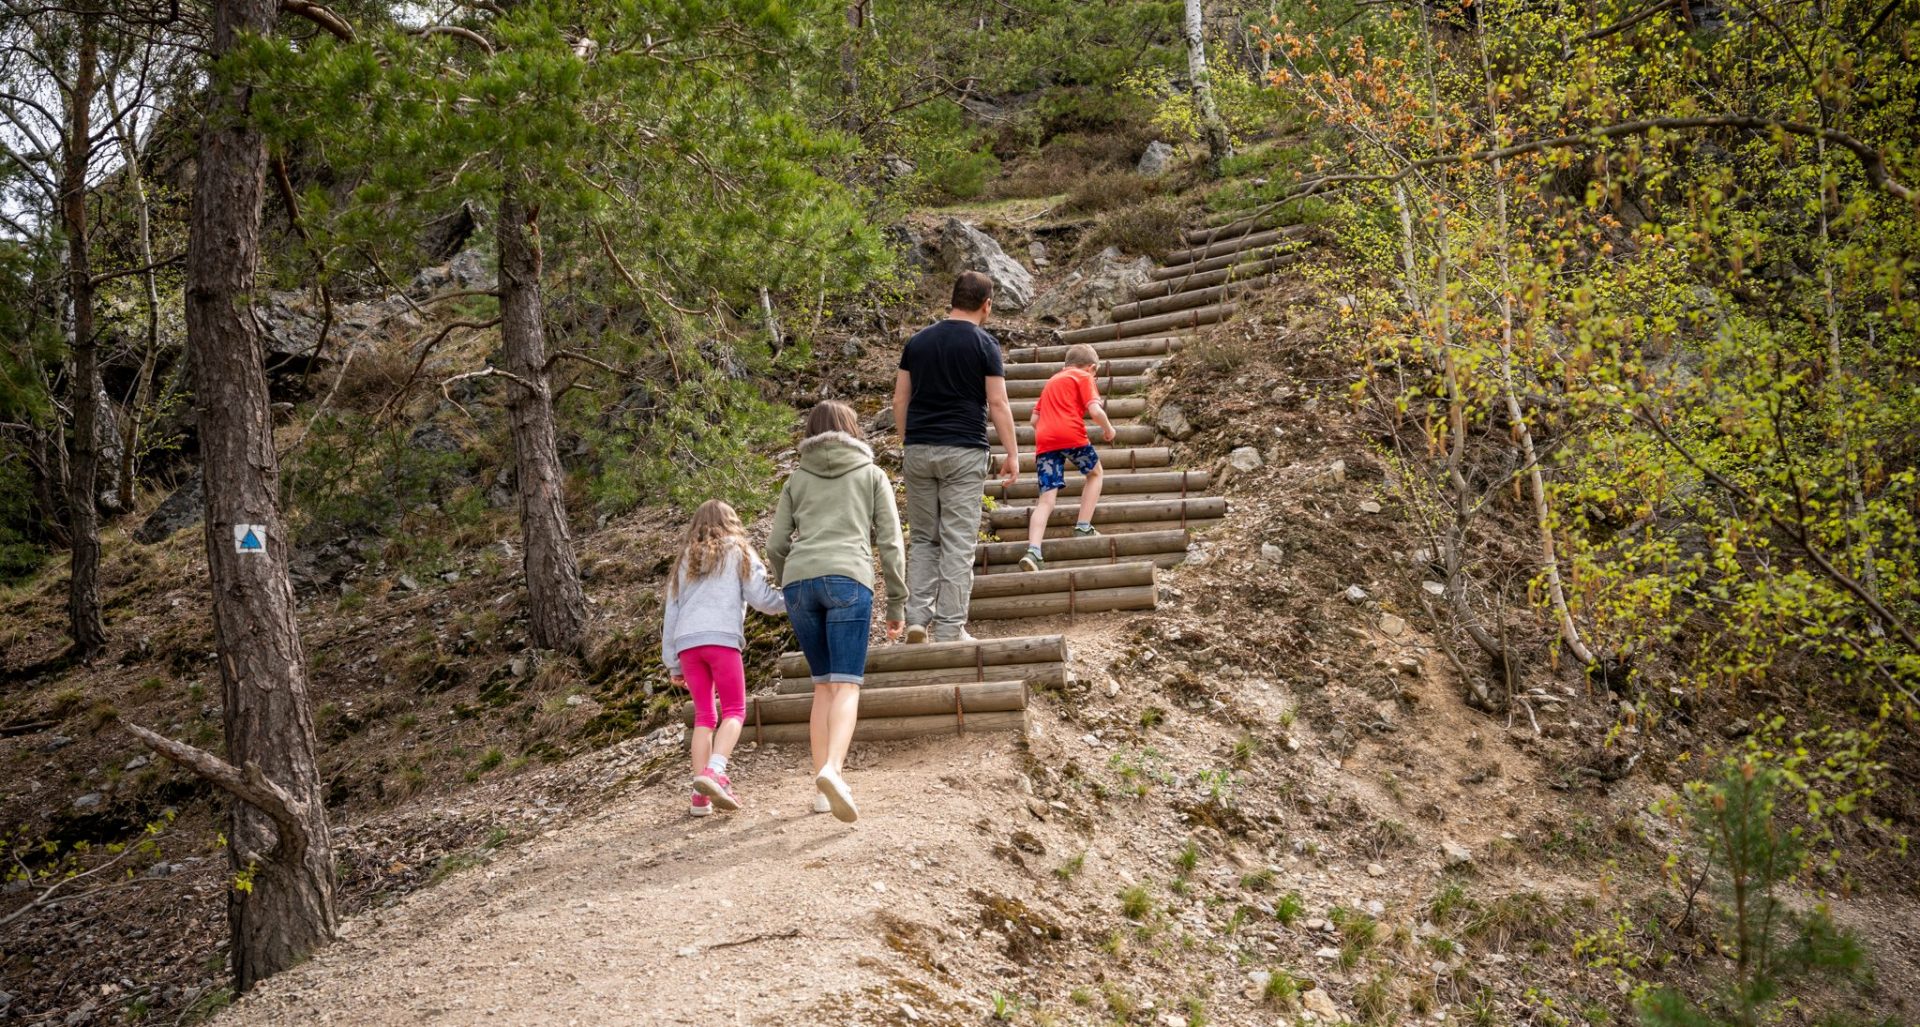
(1152, 228)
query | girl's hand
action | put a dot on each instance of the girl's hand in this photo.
(894, 628)
(679, 681)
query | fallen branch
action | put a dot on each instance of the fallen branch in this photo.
(750, 939)
(247, 784)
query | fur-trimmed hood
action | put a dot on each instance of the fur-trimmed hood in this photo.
(832, 454)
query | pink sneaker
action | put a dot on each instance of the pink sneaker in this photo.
(717, 788)
(699, 806)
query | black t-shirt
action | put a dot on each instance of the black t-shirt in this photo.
(949, 363)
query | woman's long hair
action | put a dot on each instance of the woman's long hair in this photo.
(716, 530)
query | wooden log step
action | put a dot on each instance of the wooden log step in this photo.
(1197, 508)
(1160, 346)
(1206, 279)
(1037, 675)
(905, 701)
(1168, 482)
(1107, 548)
(1285, 254)
(1123, 434)
(1237, 244)
(1193, 298)
(982, 652)
(1106, 368)
(1118, 407)
(897, 729)
(1125, 528)
(1053, 604)
(1114, 460)
(1082, 579)
(1232, 229)
(1174, 559)
(1115, 386)
(1150, 325)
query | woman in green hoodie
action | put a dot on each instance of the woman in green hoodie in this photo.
(835, 510)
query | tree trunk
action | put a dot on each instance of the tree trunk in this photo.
(83, 517)
(140, 392)
(287, 909)
(1219, 148)
(558, 606)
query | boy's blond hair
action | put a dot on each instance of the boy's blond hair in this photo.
(1082, 355)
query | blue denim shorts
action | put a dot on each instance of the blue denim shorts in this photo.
(1052, 465)
(831, 618)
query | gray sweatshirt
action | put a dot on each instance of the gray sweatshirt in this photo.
(709, 610)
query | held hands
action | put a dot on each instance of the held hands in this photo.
(894, 628)
(1009, 468)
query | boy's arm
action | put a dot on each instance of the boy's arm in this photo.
(1098, 411)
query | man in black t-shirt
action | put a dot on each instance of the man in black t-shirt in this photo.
(950, 381)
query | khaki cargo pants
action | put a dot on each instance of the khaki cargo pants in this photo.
(945, 486)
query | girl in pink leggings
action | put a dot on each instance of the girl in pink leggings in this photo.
(715, 578)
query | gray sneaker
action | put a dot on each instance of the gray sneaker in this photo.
(916, 634)
(1087, 532)
(1033, 561)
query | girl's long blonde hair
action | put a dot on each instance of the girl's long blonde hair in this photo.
(715, 530)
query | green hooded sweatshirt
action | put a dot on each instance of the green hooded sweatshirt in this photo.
(835, 509)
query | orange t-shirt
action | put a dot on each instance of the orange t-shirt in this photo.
(1059, 418)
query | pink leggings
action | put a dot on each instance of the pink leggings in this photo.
(711, 669)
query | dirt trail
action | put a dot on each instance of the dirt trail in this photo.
(642, 915)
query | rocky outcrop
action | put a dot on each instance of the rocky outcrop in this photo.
(1156, 161)
(961, 247)
(181, 509)
(1086, 297)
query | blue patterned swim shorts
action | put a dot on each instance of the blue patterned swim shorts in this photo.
(1052, 466)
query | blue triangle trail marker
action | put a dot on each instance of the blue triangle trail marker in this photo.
(250, 538)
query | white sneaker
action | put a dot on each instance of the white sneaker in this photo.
(916, 634)
(961, 637)
(820, 804)
(839, 797)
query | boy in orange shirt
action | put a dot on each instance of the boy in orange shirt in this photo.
(1060, 438)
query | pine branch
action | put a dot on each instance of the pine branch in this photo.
(322, 16)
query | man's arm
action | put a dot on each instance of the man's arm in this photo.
(902, 392)
(1002, 414)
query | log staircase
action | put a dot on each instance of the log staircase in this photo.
(1149, 509)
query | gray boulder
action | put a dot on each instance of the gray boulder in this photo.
(1089, 296)
(1172, 422)
(966, 248)
(468, 269)
(1156, 161)
(179, 510)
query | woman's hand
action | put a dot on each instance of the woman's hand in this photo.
(894, 628)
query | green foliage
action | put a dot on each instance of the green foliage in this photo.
(1706, 338)
(1752, 858)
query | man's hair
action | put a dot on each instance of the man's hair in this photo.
(1082, 355)
(971, 291)
(831, 415)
